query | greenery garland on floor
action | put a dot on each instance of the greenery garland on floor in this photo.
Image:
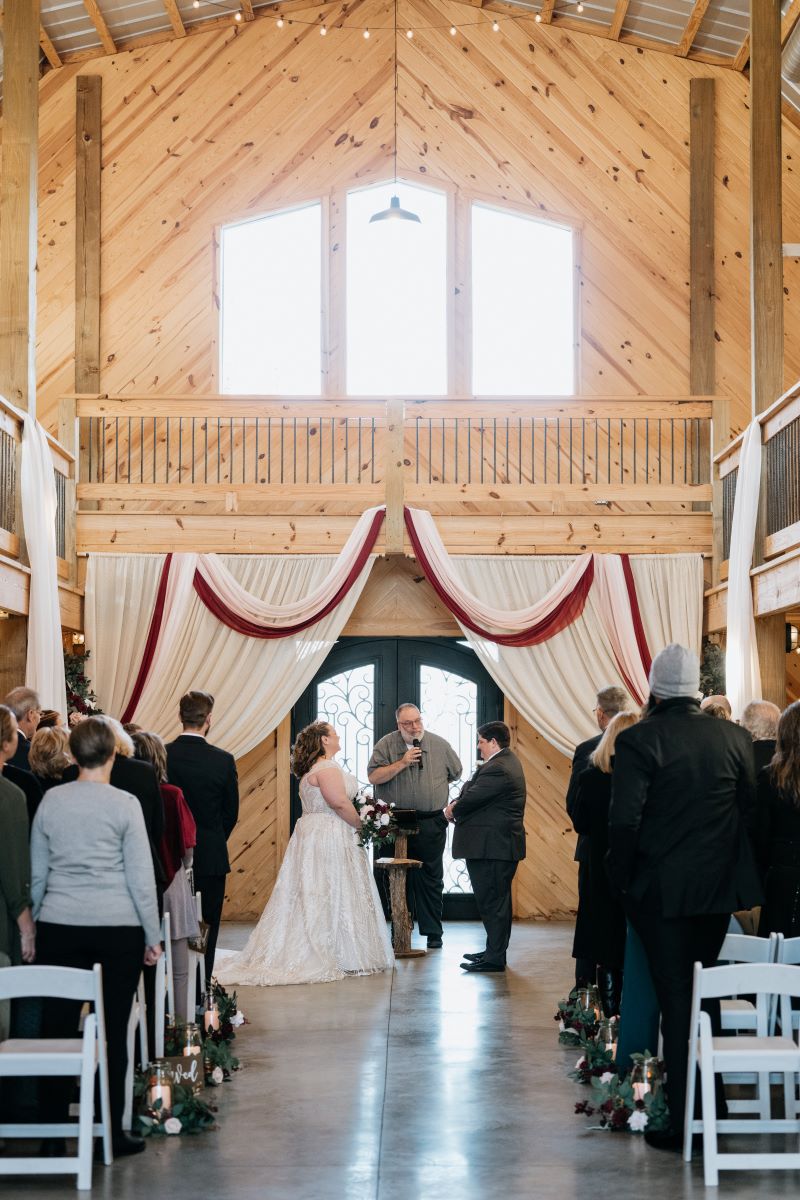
(613, 1099)
(189, 1112)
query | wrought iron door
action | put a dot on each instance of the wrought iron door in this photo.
(361, 684)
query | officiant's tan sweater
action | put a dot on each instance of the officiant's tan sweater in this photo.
(425, 790)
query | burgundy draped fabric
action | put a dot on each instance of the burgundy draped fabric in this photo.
(636, 615)
(151, 643)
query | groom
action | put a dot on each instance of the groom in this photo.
(490, 835)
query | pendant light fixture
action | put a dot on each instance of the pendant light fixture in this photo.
(394, 212)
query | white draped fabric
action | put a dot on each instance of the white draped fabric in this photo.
(120, 598)
(45, 663)
(742, 672)
(553, 685)
(254, 682)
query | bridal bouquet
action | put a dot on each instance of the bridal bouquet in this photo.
(378, 824)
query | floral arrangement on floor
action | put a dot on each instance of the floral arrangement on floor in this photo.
(188, 1114)
(218, 1058)
(378, 824)
(595, 1063)
(577, 1025)
(623, 1104)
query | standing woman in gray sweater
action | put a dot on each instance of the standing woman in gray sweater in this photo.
(94, 900)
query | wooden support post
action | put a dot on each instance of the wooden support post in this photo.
(702, 344)
(283, 795)
(68, 437)
(394, 483)
(18, 203)
(766, 284)
(88, 146)
(720, 436)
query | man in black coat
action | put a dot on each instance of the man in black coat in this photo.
(610, 701)
(682, 806)
(207, 777)
(490, 835)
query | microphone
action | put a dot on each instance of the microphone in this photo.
(415, 744)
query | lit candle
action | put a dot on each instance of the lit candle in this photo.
(211, 1019)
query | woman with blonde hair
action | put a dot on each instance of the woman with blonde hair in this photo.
(606, 916)
(324, 918)
(49, 756)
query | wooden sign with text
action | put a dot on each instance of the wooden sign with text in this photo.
(187, 1070)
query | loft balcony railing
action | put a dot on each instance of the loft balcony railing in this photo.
(224, 452)
(11, 424)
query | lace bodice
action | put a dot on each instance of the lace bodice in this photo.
(311, 797)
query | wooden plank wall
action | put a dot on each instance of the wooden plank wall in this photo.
(222, 126)
(397, 602)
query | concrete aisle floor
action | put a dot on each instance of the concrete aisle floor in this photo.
(426, 1085)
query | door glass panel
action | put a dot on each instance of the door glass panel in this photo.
(347, 701)
(449, 705)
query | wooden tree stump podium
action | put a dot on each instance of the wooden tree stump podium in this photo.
(401, 918)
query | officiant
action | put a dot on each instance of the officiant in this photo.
(412, 768)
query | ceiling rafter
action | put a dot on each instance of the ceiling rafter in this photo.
(175, 19)
(49, 50)
(620, 13)
(547, 11)
(692, 27)
(99, 22)
(789, 21)
(247, 10)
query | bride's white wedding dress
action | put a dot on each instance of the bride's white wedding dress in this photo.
(324, 918)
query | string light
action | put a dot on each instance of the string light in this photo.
(579, 7)
(366, 33)
(538, 18)
(237, 16)
(453, 31)
(279, 22)
(409, 33)
(323, 30)
(495, 26)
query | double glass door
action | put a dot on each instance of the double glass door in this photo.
(361, 684)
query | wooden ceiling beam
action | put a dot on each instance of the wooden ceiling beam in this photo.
(49, 50)
(789, 21)
(742, 57)
(99, 22)
(247, 10)
(620, 13)
(692, 27)
(547, 11)
(175, 19)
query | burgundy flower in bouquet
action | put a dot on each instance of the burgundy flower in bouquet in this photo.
(378, 823)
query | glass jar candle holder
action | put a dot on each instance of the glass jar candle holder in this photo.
(210, 1014)
(645, 1076)
(588, 999)
(191, 1039)
(607, 1034)
(159, 1088)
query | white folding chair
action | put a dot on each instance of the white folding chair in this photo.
(82, 1056)
(788, 952)
(197, 962)
(736, 1013)
(136, 1020)
(759, 1054)
(165, 991)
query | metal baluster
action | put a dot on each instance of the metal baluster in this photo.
(91, 439)
(193, 425)
(180, 449)
(634, 451)
(533, 450)
(372, 422)
(570, 449)
(116, 449)
(294, 449)
(469, 450)
(333, 450)
(359, 449)
(647, 449)
(558, 449)
(443, 443)
(205, 449)
(507, 471)
(685, 453)
(659, 449)
(244, 449)
(544, 479)
(672, 448)
(269, 450)
(255, 458)
(455, 441)
(347, 449)
(155, 443)
(103, 464)
(282, 444)
(416, 446)
(319, 447)
(129, 449)
(230, 440)
(482, 443)
(166, 464)
(494, 449)
(219, 439)
(519, 448)
(430, 450)
(308, 450)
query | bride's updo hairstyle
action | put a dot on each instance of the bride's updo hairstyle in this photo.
(309, 748)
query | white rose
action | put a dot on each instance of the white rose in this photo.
(561, 1027)
(637, 1121)
(217, 1076)
(237, 1019)
(172, 1125)
(580, 1064)
(385, 819)
(367, 811)
(607, 1076)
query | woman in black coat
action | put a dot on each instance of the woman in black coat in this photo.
(779, 830)
(605, 914)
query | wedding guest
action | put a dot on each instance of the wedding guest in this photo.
(138, 778)
(94, 898)
(50, 719)
(413, 768)
(682, 804)
(608, 702)
(17, 930)
(760, 718)
(207, 777)
(180, 834)
(779, 830)
(717, 702)
(490, 834)
(605, 912)
(24, 703)
(49, 756)
(716, 710)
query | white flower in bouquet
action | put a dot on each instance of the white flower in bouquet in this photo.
(385, 819)
(172, 1125)
(607, 1076)
(217, 1076)
(367, 812)
(561, 1027)
(637, 1121)
(237, 1019)
(580, 1064)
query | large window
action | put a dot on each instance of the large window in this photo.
(523, 307)
(271, 298)
(397, 294)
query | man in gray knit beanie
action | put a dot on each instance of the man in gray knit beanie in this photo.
(682, 806)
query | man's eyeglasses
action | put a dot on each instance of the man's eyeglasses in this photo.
(410, 724)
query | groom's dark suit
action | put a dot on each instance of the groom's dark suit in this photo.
(490, 835)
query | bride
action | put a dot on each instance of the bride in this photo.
(324, 918)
